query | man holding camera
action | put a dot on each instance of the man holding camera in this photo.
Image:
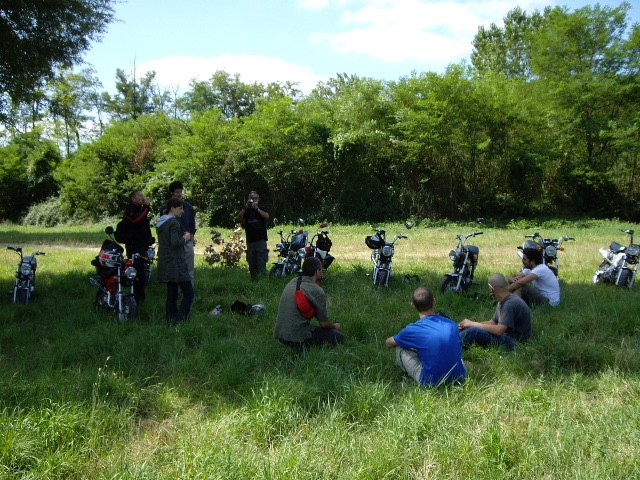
(253, 218)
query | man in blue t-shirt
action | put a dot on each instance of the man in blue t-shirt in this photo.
(429, 350)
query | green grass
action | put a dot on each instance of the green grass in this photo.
(84, 396)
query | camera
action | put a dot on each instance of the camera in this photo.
(251, 202)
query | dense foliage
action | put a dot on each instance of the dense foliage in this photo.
(544, 119)
(40, 36)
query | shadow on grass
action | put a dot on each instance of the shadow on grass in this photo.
(60, 348)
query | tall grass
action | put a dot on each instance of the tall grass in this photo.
(84, 396)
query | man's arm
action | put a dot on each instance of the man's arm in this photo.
(520, 282)
(489, 326)
(390, 342)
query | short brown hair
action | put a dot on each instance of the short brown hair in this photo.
(422, 299)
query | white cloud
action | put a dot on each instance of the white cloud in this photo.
(434, 33)
(179, 70)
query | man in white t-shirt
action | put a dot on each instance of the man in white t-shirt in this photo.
(536, 283)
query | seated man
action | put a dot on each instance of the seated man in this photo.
(510, 324)
(292, 328)
(536, 284)
(429, 350)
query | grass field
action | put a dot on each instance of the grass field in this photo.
(83, 396)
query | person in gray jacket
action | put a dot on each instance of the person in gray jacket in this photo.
(172, 261)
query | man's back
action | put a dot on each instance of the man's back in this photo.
(437, 340)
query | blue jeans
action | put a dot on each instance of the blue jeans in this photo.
(175, 315)
(483, 338)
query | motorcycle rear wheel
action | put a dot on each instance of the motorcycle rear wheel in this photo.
(129, 309)
(623, 279)
(381, 278)
(449, 284)
(277, 270)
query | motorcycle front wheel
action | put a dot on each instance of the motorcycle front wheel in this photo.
(129, 309)
(623, 279)
(381, 278)
(449, 284)
(277, 270)
(21, 295)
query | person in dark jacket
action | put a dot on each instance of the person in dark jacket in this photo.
(137, 233)
(254, 218)
(172, 261)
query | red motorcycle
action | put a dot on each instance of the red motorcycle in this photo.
(115, 279)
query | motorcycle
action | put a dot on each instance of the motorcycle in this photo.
(465, 261)
(25, 284)
(321, 247)
(115, 278)
(292, 250)
(549, 247)
(619, 264)
(148, 263)
(382, 253)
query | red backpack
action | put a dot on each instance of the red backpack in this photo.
(302, 302)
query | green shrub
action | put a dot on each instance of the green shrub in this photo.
(49, 213)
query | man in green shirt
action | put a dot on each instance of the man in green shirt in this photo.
(292, 328)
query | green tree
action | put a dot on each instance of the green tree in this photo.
(40, 36)
(71, 99)
(134, 97)
(27, 164)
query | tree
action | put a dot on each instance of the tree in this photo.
(40, 36)
(133, 98)
(71, 98)
(506, 50)
(27, 164)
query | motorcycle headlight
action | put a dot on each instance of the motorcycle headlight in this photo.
(550, 251)
(387, 250)
(302, 252)
(453, 255)
(130, 273)
(279, 247)
(25, 269)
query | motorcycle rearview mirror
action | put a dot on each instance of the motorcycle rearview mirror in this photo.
(108, 230)
(301, 221)
(408, 224)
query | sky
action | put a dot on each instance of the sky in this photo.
(303, 41)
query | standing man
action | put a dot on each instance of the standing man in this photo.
(188, 222)
(509, 325)
(293, 327)
(429, 350)
(253, 217)
(536, 284)
(136, 231)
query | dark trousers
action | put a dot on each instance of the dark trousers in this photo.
(257, 258)
(175, 315)
(319, 336)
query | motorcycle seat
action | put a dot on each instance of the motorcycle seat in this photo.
(473, 249)
(615, 247)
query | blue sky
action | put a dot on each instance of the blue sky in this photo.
(304, 41)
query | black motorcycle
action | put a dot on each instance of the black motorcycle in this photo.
(320, 246)
(549, 247)
(382, 253)
(115, 279)
(292, 250)
(619, 263)
(465, 260)
(25, 284)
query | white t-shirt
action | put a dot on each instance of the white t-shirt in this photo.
(546, 283)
